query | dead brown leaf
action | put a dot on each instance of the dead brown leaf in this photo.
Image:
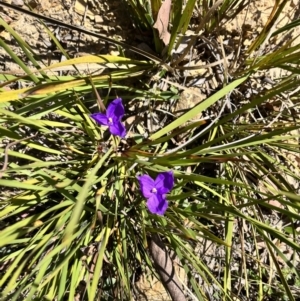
(162, 21)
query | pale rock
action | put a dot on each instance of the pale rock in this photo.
(17, 2)
(114, 53)
(5, 36)
(105, 28)
(80, 9)
(195, 72)
(98, 19)
(247, 42)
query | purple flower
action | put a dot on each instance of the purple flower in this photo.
(112, 118)
(155, 190)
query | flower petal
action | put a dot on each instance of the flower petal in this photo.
(164, 182)
(100, 118)
(118, 129)
(157, 204)
(115, 109)
(146, 183)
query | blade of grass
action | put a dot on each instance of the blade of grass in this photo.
(199, 108)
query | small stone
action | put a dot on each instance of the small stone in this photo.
(17, 2)
(80, 8)
(105, 28)
(247, 42)
(98, 19)
(114, 53)
(6, 18)
(91, 17)
(5, 36)
(195, 72)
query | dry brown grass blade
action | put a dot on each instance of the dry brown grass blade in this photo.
(8, 146)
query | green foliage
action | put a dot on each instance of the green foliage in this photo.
(73, 221)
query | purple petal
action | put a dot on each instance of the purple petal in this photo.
(157, 204)
(100, 118)
(115, 109)
(147, 184)
(118, 129)
(164, 182)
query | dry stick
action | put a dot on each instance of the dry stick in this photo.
(98, 98)
(5, 164)
(165, 268)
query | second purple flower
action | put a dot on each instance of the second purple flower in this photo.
(155, 191)
(112, 118)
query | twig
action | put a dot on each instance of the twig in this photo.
(165, 268)
(8, 146)
(98, 98)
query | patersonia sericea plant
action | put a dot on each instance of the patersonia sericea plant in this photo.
(155, 191)
(112, 118)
